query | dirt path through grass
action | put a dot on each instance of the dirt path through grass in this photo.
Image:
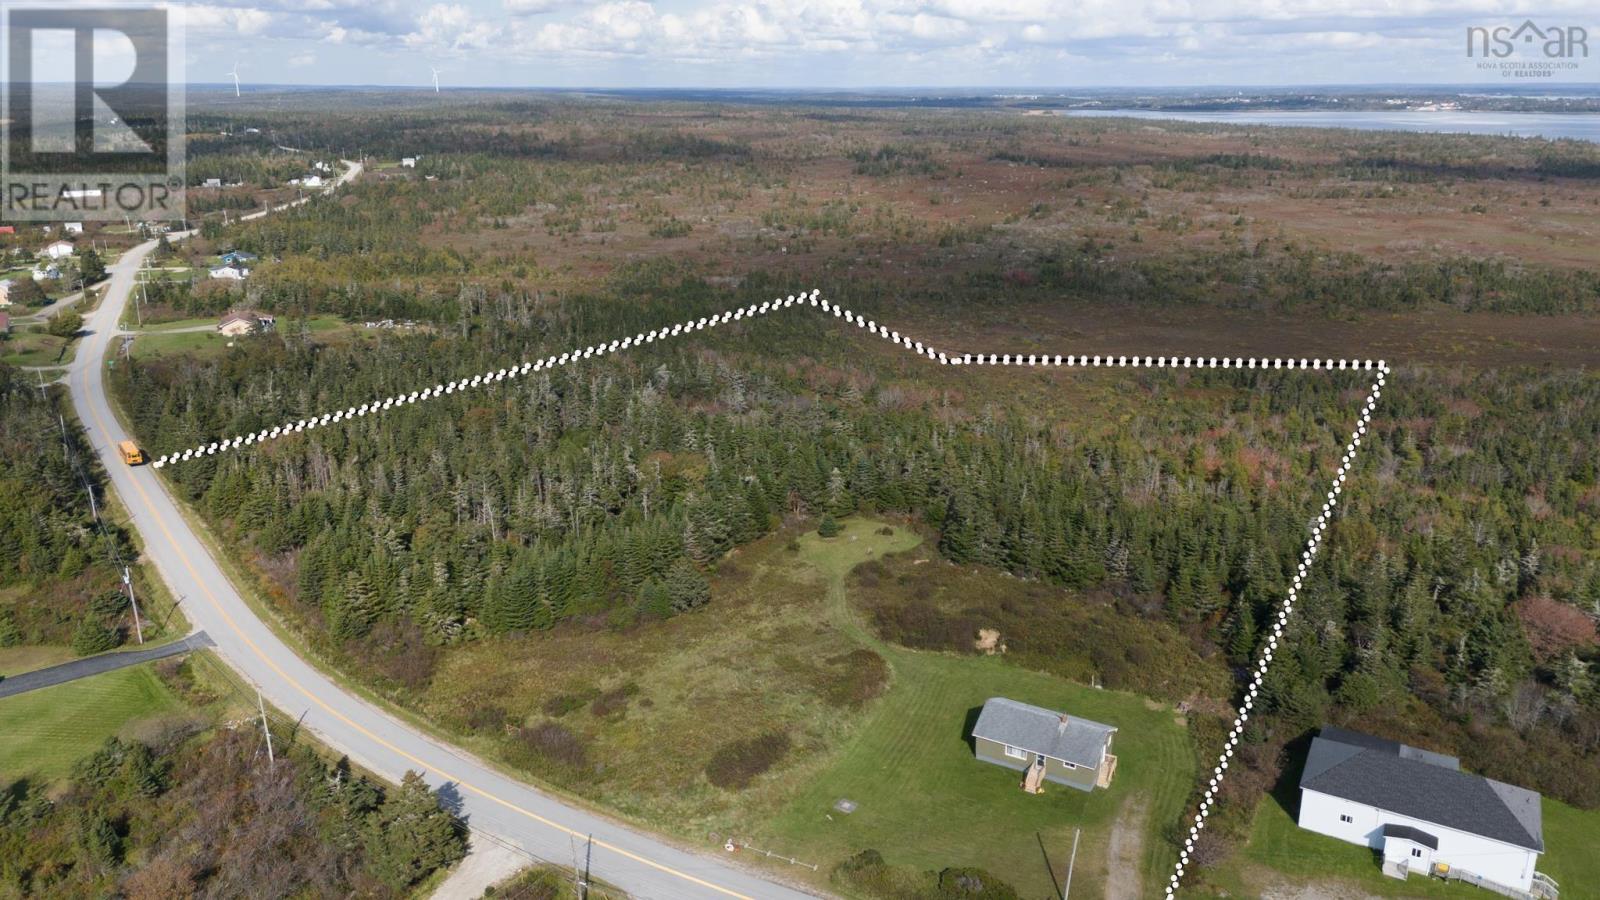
(1125, 856)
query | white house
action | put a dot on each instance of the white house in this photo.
(46, 271)
(1419, 809)
(408, 162)
(72, 228)
(57, 250)
(5, 293)
(311, 181)
(230, 273)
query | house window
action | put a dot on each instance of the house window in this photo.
(1346, 819)
(1068, 765)
(1016, 752)
(1417, 852)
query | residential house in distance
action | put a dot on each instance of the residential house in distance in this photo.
(46, 271)
(8, 229)
(239, 323)
(57, 250)
(212, 183)
(1422, 812)
(408, 162)
(72, 228)
(230, 273)
(238, 258)
(1044, 745)
(5, 293)
(311, 181)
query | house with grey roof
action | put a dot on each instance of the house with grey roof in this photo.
(1422, 813)
(1044, 745)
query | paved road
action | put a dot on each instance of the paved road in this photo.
(45, 312)
(643, 865)
(94, 665)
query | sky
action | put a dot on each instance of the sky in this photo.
(860, 43)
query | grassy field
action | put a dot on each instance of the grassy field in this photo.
(35, 350)
(780, 651)
(16, 660)
(1279, 852)
(47, 730)
(924, 801)
(164, 340)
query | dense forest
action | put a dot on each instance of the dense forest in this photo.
(611, 489)
(1454, 604)
(60, 563)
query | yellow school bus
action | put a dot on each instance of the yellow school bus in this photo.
(131, 454)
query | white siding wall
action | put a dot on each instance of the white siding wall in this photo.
(1498, 862)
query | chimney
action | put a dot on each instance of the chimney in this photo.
(1064, 720)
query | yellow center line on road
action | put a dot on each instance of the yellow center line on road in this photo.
(150, 507)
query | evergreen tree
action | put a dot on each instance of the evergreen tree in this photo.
(411, 835)
(686, 587)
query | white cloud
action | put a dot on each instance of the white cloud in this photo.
(536, 7)
(450, 27)
(889, 41)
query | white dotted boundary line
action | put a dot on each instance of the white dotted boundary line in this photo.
(751, 311)
(1317, 531)
(979, 359)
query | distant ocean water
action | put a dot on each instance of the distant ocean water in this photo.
(1580, 126)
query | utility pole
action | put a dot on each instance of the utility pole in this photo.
(127, 582)
(1067, 891)
(95, 511)
(580, 879)
(261, 704)
(138, 309)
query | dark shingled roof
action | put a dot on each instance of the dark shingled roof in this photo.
(1414, 835)
(1422, 785)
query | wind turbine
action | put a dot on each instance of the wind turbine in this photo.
(435, 79)
(235, 74)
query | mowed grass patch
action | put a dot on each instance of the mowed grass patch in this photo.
(35, 349)
(924, 801)
(16, 660)
(163, 340)
(47, 730)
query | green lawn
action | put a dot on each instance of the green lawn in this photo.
(1571, 838)
(35, 350)
(157, 341)
(1279, 851)
(16, 660)
(47, 730)
(925, 802)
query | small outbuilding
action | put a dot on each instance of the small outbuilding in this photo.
(1045, 745)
